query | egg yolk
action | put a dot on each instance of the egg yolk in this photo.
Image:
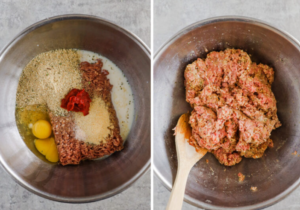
(48, 148)
(41, 129)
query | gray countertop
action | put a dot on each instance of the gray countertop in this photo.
(170, 16)
(15, 15)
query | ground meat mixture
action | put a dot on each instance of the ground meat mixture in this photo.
(71, 150)
(234, 108)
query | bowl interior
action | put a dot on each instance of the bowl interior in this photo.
(91, 180)
(213, 185)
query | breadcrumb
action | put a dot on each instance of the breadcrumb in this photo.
(47, 78)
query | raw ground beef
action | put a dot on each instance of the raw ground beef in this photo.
(71, 150)
(234, 108)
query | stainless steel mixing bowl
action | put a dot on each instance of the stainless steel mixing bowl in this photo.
(212, 185)
(91, 180)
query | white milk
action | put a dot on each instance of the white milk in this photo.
(121, 94)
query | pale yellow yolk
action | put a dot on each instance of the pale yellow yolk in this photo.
(41, 129)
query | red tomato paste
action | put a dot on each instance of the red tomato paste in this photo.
(77, 101)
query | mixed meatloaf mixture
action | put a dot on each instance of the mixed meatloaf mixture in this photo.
(72, 150)
(234, 108)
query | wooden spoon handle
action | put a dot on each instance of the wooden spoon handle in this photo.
(177, 194)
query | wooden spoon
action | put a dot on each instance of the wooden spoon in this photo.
(187, 157)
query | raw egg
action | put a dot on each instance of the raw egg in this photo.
(43, 145)
(48, 148)
(41, 129)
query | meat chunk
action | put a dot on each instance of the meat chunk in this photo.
(234, 107)
(227, 159)
(241, 177)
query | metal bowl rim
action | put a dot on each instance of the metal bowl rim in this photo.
(171, 40)
(87, 199)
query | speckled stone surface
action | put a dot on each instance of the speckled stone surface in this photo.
(15, 15)
(171, 16)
